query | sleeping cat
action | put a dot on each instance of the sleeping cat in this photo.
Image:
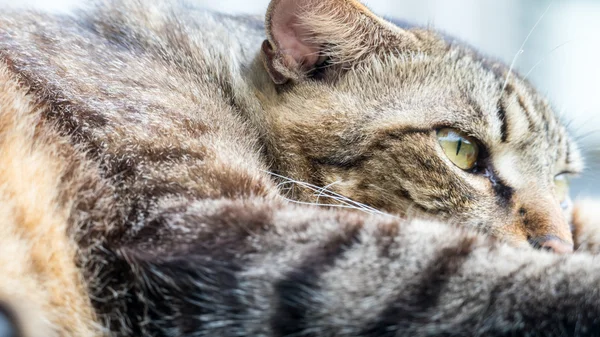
(161, 167)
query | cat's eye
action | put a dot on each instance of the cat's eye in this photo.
(461, 149)
(561, 188)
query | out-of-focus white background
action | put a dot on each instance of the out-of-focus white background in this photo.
(555, 43)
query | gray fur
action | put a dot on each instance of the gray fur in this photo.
(174, 109)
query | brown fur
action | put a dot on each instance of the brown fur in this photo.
(149, 129)
(366, 129)
(40, 283)
(586, 230)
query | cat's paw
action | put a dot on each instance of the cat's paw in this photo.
(586, 226)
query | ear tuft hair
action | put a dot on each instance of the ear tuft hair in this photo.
(303, 33)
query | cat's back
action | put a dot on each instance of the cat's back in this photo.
(156, 75)
(143, 90)
(114, 39)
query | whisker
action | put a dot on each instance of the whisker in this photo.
(510, 69)
(326, 188)
(347, 203)
(317, 204)
(341, 198)
(320, 192)
(567, 120)
(576, 126)
(546, 57)
(521, 50)
(583, 136)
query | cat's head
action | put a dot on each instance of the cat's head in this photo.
(404, 121)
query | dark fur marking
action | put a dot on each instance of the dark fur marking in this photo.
(509, 90)
(411, 307)
(387, 232)
(504, 122)
(295, 293)
(502, 190)
(123, 38)
(343, 163)
(186, 283)
(61, 109)
(124, 165)
(526, 112)
(567, 317)
(156, 277)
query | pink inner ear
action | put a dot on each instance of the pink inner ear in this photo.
(291, 37)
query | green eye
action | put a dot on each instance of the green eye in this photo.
(561, 188)
(461, 149)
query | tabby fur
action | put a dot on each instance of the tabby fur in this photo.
(144, 147)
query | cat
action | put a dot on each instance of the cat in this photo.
(163, 166)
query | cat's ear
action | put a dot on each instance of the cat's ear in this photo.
(304, 33)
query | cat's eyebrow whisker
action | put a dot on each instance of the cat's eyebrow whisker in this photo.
(510, 70)
(546, 57)
(521, 50)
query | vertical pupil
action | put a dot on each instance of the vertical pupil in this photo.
(458, 146)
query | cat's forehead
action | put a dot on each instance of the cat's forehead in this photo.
(449, 86)
(461, 88)
(454, 79)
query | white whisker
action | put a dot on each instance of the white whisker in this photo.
(545, 57)
(326, 188)
(521, 49)
(321, 192)
(512, 65)
(585, 135)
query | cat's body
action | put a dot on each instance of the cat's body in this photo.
(155, 126)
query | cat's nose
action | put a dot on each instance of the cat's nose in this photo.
(555, 245)
(558, 247)
(545, 223)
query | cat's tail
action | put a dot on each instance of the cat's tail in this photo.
(248, 268)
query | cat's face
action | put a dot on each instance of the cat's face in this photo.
(415, 125)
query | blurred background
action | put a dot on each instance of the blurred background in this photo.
(554, 43)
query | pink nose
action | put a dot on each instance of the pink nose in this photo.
(557, 246)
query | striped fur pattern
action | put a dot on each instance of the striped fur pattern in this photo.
(155, 138)
(42, 182)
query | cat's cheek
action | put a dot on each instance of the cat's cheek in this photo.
(586, 226)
